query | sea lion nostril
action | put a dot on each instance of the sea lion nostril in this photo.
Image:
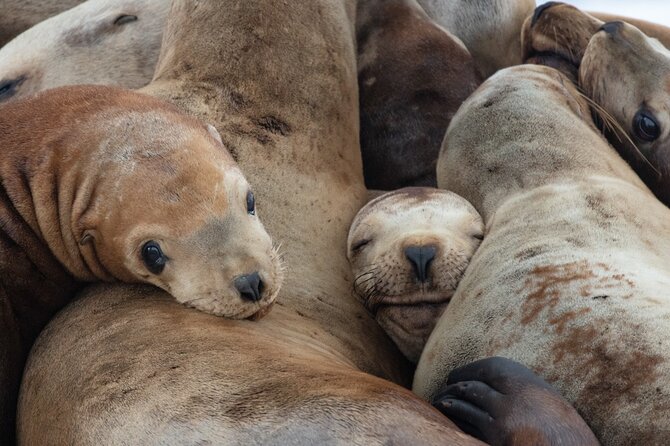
(540, 9)
(250, 286)
(612, 27)
(421, 258)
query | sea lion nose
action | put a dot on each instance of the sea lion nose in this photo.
(250, 286)
(540, 9)
(420, 257)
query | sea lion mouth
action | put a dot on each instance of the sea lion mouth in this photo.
(409, 300)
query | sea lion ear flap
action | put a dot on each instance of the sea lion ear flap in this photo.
(214, 133)
(87, 237)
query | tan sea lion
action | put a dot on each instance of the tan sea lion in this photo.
(108, 42)
(489, 28)
(408, 250)
(19, 15)
(572, 276)
(624, 72)
(135, 367)
(412, 76)
(102, 184)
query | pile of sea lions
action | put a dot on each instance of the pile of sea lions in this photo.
(333, 222)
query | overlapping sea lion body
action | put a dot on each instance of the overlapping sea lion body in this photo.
(488, 28)
(19, 15)
(106, 42)
(572, 276)
(412, 75)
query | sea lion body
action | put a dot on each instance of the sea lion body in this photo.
(90, 177)
(489, 29)
(107, 42)
(412, 75)
(19, 15)
(289, 118)
(572, 276)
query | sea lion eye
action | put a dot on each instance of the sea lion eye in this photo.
(645, 126)
(360, 244)
(251, 203)
(8, 88)
(124, 18)
(153, 257)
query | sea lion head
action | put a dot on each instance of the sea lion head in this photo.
(408, 250)
(160, 200)
(627, 75)
(98, 42)
(624, 73)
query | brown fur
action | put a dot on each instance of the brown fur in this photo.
(69, 207)
(412, 76)
(572, 276)
(19, 15)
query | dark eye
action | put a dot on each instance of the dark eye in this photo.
(153, 257)
(479, 236)
(8, 88)
(124, 18)
(251, 203)
(645, 126)
(360, 244)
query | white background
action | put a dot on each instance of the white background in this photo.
(653, 10)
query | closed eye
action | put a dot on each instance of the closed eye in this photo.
(360, 244)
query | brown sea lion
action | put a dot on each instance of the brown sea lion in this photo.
(625, 73)
(408, 250)
(572, 276)
(135, 367)
(412, 76)
(108, 42)
(19, 15)
(488, 28)
(102, 184)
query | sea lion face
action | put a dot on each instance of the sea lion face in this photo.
(408, 250)
(98, 42)
(627, 74)
(171, 208)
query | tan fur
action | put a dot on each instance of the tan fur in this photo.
(91, 174)
(573, 274)
(405, 307)
(19, 15)
(279, 83)
(97, 42)
(488, 28)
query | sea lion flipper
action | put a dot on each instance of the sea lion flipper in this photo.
(501, 401)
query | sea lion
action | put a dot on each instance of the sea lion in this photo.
(103, 184)
(19, 15)
(572, 276)
(489, 29)
(135, 367)
(626, 75)
(108, 42)
(412, 76)
(408, 250)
